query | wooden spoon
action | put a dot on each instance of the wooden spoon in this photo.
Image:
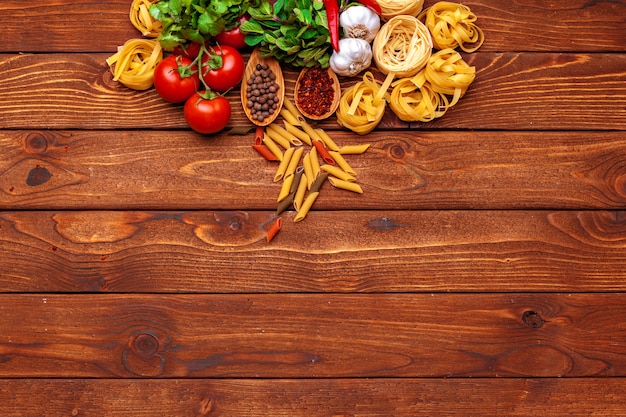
(255, 59)
(336, 89)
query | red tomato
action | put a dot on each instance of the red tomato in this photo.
(222, 68)
(207, 115)
(233, 37)
(175, 79)
(188, 50)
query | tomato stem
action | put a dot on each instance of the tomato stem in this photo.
(211, 63)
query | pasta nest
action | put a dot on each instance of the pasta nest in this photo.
(362, 106)
(134, 63)
(142, 20)
(414, 100)
(452, 25)
(402, 46)
(391, 8)
(448, 73)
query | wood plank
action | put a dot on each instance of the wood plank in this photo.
(314, 335)
(75, 26)
(315, 398)
(538, 25)
(353, 251)
(401, 170)
(65, 25)
(512, 91)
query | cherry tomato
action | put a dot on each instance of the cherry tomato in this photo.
(233, 37)
(175, 79)
(222, 68)
(188, 50)
(207, 115)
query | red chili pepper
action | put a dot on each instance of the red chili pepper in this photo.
(372, 4)
(332, 16)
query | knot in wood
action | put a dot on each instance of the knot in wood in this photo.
(233, 222)
(532, 319)
(145, 344)
(144, 354)
(235, 225)
(36, 143)
(397, 152)
(620, 185)
(38, 176)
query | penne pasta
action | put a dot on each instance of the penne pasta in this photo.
(271, 145)
(315, 162)
(323, 152)
(309, 130)
(308, 170)
(306, 206)
(301, 190)
(342, 163)
(284, 163)
(303, 174)
(328, 141)
(353, 149)
(265, 152)
(319, 181)
(294, 161)
(274, 228)
(345, 185)
(296, 179)
(284, 189)
(300, 134)
(285, 204)
(288, 104)
(277, 137)
(258, 135)
(288, 117)
(338, 172)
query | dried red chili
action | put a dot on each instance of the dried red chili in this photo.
(315, 92)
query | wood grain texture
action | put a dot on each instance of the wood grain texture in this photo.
(305, 336)
(509, 25)
(352, 251)
(83, 169)
(480, 274)
(542, 91)
(314, 398)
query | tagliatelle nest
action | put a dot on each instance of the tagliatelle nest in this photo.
(402, 46)
(452, 25)
(391, 8)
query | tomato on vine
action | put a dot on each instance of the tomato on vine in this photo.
(176, 79)
(233, 37)
(222, 68)
(188, 49)
(207, 112)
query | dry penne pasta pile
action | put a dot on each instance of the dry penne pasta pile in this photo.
(303, 170)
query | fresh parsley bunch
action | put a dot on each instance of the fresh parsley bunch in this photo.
(196, 20)
(292, 31)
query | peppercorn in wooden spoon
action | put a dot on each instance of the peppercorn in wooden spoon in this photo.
(262, 89)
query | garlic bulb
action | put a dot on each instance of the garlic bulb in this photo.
(354, 56)
(359, 22)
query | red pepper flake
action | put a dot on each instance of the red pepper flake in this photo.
(315, 92)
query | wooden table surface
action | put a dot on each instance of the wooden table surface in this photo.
(481, 273)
